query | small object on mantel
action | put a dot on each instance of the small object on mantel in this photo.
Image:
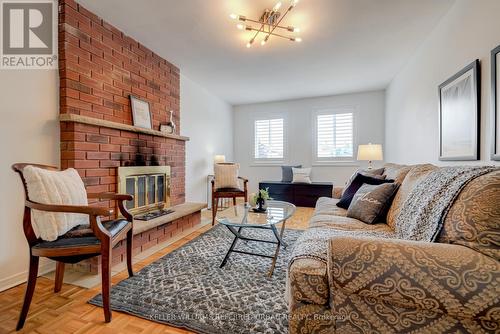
(170, 126)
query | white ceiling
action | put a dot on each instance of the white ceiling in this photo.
(348, 45)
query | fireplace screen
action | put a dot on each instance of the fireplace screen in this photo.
(148, 184)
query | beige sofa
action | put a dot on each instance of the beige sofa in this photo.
(371, 282)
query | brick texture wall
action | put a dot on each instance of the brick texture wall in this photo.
(99, 69)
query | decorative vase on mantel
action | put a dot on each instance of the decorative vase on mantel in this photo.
(170, 127)
(171, 123)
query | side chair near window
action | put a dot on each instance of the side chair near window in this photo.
(225, 184)
(79, 243)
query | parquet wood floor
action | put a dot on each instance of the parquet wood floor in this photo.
(68, 311)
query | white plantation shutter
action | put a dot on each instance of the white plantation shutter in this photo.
(335, 136)
(269, 137)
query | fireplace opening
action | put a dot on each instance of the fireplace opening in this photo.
(150, 186)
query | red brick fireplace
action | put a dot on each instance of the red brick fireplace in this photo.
(99, 69)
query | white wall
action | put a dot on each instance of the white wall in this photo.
(469, 31)
(208, 121)
(299, 119)
(29, 132)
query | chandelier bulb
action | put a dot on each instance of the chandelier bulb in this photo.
(277, 6)
(233, 16)
(240, 26)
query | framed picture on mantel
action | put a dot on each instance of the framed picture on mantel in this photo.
(459, 112)
(141, 115)
(495, 104)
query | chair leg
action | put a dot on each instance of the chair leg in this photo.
(234, 201)
(215, 207)
(129, 253)
(106, 280)
(59, 276)
(30, 288)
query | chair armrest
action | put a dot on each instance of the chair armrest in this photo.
(427, 278)
(337, 192)
(111, 196)
(93, 212)
(243, 179)
(88, 210)
(121, 198)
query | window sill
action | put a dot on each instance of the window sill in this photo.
(267, 163)
(336, 163)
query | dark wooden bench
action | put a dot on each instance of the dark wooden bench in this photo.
(300, 194)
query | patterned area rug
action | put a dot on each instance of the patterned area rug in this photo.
(187, 289)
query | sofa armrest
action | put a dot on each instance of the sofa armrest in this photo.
(337, 192)
(421, 277)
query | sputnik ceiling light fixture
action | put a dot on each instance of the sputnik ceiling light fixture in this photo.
(269, 24)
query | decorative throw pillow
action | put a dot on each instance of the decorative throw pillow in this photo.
(226, 175)
(358, 181)
(377, 173)
(371, 202)
(301, 175)
(58, 188)
(287, 174)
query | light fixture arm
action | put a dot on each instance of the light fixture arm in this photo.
(279, 21)
(271, 33)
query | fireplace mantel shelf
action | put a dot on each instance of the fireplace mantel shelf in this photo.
(113, 125)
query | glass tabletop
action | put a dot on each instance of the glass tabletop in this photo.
(243, 215)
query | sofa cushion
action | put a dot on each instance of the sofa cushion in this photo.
(287, 174)
(371, 202)
(413, 177)
(226, 175)
(396, 172)
(58, 188)
(474, 218)
(340, 224)
(328, 206)
(358, 181)
(368, 172)
(301, 175)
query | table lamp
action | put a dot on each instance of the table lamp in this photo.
(370, 152)
(219, 159)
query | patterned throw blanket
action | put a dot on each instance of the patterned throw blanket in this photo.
(420, 219)
(422, 215)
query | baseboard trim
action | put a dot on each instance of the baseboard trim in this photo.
(45, 267)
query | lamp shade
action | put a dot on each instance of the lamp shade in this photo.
(218, 159)
(370, 152)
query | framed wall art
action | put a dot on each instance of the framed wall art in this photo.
(141, 115)
(459, 115)
(495, 104)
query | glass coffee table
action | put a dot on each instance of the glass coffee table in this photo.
(244, 218)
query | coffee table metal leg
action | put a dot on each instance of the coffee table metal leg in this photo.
(232, 246)
(285, 245)
(278, 245)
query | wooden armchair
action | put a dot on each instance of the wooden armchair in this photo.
(227, 193)
(78, 244)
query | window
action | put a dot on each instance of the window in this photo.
(334, 136)
(269, 139)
